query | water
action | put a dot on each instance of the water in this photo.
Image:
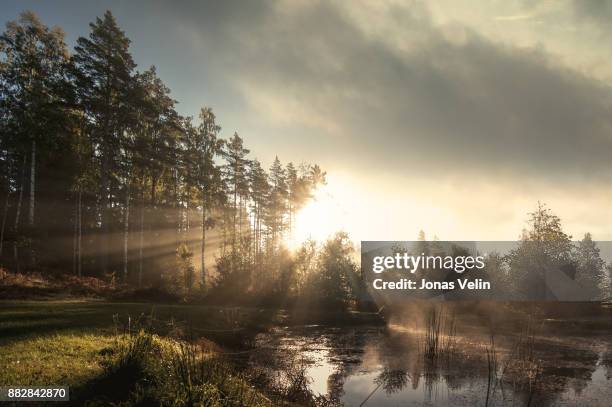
(374, 366)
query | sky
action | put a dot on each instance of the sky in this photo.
(455, 117)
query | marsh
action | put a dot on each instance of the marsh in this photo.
(551, 363)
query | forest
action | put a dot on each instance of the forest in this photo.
(102, 177)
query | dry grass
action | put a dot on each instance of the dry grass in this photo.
(15, 286)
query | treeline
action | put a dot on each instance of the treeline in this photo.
(101, 176)
(525, 272)
(544, 251)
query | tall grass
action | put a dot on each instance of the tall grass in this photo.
(440, 336)
(143, 368)
(433, 323)
(492, 368)
(201, 377)
(521, 366)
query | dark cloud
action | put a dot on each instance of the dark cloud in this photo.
(404, 95)
(595, 10)
(449, 102)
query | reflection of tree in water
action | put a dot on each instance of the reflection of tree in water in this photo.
(346, 349)
(395, 357)
(559, 367)
(335, 385)
(392, 381)
(606, 361)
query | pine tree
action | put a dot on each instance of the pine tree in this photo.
(590, 267)
(277, 202)
(293, 195)
(260, 190)
(154, 136)
(35, 94)
(236, 175)
(103, 76)
(209, 181)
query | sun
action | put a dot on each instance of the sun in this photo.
(319, 219)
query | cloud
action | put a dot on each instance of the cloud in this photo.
(595, 10)
(515, 17)
(438, 97)
(390, 85)
(426, 107)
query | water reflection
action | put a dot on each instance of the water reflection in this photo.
(385, 367)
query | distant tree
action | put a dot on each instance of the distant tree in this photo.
(207, 147)
(422, 245)
(497, 274)
(185, 265)
(590, 267)
(277, 201)
(544, 246)
(606, 283)
(260, 189)
(317, 176)
(231, 280)
(293, 193)
(336, 272)
(547, 232)
(301, 186)
(305, 263)
(236, 175)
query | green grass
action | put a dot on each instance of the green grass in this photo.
(79, 344)
(57, 359)
(20, 320)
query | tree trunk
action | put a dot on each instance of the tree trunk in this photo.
(75, 234)
(80, 235)
(5, 212)
(253, 235)
(240, 203)
(203, 246)
(187, 225)
(290, 219)
(141, 243)
(224, 231)
(105, 207)
(18, 213)
(32, 185)
(153, 190)
(235, 209)
(126, 233)
(20, 198)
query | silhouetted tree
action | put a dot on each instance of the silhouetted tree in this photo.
(590, 267)
(104, 83)
(544, 247)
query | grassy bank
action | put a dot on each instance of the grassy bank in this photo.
(136, 353)
(138, 369)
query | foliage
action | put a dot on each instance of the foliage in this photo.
(185, 266)
(99, 150)
(590, 271)
(334, 281)
(544, 248)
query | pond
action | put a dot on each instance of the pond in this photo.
(386, 366)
